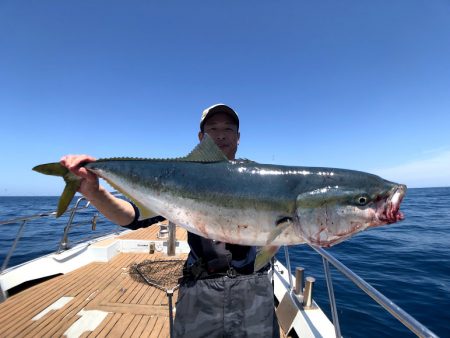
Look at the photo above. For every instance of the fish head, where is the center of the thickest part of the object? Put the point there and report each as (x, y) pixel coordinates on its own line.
(333, 213)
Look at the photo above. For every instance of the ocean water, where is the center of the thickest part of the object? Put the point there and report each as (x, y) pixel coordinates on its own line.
(409, 262)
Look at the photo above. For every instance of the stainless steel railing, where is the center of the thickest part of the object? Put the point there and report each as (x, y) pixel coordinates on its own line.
(64, 242)
(406, 319)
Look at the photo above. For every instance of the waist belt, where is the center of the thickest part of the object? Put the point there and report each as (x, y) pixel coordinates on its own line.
(199, 271)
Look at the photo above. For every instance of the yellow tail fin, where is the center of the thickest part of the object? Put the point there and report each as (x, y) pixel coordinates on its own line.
(72, 183)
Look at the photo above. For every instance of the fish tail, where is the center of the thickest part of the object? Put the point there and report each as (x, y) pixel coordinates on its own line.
(72, 183)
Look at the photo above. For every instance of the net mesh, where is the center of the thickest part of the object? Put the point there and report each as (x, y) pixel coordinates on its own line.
(163, 274)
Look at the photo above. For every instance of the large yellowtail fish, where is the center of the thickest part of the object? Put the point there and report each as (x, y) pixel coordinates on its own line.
(244, 202)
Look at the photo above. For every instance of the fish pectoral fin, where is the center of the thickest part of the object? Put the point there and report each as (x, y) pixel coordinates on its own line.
(282, 224)
(205, 151)
(266, 253)
(264, 256)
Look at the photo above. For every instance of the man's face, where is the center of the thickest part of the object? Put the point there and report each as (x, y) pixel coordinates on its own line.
(223, 130)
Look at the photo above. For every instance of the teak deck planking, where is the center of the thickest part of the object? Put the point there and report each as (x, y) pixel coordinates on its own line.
(135, 308)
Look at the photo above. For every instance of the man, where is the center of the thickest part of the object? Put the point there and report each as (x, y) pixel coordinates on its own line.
(220, 294)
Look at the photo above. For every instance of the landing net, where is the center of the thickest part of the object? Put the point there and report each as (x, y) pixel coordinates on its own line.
(162, 274)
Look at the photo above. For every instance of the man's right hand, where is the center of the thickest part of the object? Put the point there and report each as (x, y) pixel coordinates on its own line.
(115, 209)
(89, 183)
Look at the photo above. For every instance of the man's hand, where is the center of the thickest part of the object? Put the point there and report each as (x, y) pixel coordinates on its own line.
(89, 183)
(115, 209)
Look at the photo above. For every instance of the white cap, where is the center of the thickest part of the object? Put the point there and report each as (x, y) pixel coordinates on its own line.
(218, 108)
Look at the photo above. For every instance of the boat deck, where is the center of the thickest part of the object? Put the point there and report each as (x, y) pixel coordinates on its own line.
(132, 307)
(100, 299)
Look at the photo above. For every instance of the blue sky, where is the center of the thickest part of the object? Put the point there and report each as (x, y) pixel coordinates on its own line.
(360, 85)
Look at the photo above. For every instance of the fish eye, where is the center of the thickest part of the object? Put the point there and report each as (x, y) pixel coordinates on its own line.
(362, 200)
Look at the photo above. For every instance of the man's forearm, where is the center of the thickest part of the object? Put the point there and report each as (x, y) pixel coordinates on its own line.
(115, 209)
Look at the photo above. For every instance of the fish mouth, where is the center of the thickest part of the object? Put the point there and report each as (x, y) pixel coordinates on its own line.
(390, 212)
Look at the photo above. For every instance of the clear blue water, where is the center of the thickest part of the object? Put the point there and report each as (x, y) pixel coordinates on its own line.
(409, 262)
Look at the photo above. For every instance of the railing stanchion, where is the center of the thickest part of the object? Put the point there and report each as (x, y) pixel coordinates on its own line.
(288, 263)
(334, 314)
(171, 240)
(13, 246)
(308, 292)
(64, 244)
(299, 277)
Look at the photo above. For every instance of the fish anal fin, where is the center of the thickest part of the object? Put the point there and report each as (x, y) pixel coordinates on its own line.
(144, 212)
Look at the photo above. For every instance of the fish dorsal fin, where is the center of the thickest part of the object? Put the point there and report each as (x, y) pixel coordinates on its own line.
(205, 151)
